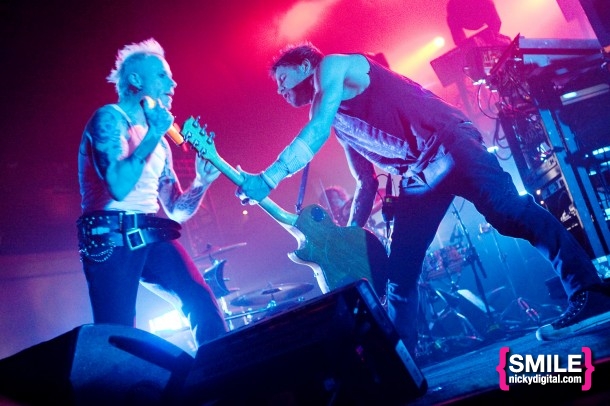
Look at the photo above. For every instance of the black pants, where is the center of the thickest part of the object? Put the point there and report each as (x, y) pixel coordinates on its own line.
(163, 267)
(464, 168)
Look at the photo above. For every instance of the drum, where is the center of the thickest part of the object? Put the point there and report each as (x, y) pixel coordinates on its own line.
(443, 262)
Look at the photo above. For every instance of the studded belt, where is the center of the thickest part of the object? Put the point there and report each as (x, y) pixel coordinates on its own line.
(117, 228)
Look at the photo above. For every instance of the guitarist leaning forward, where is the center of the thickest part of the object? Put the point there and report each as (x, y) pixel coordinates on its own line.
(384, 119)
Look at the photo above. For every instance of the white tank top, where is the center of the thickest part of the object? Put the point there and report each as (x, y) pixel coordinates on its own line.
(143, 197)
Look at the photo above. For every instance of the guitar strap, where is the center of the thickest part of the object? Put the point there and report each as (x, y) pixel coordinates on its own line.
(302, 189)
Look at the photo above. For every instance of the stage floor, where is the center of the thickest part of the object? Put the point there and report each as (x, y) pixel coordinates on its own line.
(472, 378)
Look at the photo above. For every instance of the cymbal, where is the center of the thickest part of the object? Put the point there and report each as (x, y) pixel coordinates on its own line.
(276, 293)
(212, 250)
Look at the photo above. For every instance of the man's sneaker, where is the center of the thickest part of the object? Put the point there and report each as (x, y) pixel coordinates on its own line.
(586, 311)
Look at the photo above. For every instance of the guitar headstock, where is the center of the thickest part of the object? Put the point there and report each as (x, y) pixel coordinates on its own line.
(199, 138)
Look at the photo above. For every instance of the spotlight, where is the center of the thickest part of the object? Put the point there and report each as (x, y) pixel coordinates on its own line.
(168, 324)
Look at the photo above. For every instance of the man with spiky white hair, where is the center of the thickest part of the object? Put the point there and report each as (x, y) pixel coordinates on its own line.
(126, 175)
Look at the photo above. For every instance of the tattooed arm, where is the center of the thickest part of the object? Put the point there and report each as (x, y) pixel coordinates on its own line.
(108, 131)
(182, 205)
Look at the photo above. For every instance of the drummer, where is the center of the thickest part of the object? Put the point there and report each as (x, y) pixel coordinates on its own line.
(339, 203)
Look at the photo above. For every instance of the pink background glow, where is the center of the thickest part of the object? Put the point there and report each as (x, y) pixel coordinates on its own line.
(55, 59)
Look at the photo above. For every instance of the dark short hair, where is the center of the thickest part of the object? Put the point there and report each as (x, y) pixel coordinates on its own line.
(295, 54)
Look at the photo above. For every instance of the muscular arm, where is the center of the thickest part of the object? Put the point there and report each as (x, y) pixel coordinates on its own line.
(329, 84)
(336, 78)
(366, 186)
(108, 131)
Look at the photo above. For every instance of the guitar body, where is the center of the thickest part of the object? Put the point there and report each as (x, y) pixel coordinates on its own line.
(339, 255)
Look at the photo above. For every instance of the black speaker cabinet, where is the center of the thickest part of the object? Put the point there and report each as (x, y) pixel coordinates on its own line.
(339, 348)
(96, 365)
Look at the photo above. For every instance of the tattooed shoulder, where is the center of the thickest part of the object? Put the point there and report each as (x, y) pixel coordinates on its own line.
(106, 127)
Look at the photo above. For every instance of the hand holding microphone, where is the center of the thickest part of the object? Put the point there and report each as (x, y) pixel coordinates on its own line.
(158, 116)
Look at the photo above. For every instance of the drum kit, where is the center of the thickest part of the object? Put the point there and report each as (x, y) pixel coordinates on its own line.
(253, 305)
(443, 327)
(453, 319)
(446, 262)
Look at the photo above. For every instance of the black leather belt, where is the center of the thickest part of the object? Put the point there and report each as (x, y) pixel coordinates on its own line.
(117, 228)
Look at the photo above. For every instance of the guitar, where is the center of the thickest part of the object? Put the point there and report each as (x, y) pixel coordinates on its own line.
(337, 255)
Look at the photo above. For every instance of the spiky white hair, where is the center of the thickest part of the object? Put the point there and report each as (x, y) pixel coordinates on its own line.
(143, 48)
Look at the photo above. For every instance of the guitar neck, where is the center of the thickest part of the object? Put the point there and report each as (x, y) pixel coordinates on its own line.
(275, 211)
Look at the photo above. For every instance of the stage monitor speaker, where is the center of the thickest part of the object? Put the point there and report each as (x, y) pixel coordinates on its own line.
(96, 364)
(339, 348)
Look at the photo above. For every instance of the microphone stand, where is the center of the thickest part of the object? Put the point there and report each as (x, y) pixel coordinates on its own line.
(472, 257)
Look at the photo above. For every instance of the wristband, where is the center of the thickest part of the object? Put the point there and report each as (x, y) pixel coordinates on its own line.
(292, 159)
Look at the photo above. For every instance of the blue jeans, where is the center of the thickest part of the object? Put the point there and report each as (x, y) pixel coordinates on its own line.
(163, 267)
(464, 168)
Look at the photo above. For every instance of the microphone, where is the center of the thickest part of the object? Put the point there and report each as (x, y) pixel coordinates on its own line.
(174, 131)
(174, 134)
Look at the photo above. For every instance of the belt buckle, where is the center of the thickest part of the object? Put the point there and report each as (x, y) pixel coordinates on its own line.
(124, 224)
(135, 239)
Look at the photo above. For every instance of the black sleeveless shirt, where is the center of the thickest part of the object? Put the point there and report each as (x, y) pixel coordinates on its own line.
(395, 123)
